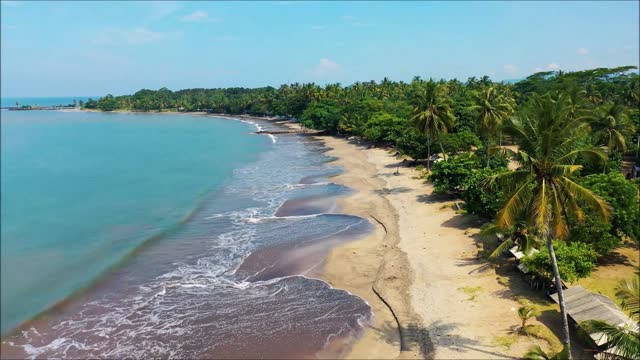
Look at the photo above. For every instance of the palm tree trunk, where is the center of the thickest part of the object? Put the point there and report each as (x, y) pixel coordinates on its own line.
(563, 311)
(488, 144)
(444, 156)
(428, 154)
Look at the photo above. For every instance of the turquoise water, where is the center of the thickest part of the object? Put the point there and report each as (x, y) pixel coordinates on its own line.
(81, 190)
(43, 101)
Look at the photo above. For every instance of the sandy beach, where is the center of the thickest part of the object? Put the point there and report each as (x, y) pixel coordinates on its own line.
(420, 268)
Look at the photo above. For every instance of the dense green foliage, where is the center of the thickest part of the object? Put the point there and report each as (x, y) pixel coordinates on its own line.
(622, 195)
(450, 175)
(482, 198)
(575, 261)
(383, 127)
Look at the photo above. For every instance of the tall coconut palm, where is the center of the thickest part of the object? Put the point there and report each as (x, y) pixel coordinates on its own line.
(625, 339)
(493, 109)
(432, 114)
(542, 192)
(611, 126)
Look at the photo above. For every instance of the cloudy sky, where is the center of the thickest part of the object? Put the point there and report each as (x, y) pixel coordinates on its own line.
(94, 48)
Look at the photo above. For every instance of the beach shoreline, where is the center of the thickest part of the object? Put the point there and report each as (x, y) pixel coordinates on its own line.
(431, 293)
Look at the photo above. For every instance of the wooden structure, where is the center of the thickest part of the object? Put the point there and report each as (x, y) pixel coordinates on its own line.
(583, 305)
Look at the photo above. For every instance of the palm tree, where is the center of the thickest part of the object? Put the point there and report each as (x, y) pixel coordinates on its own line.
(525, 313)
(493, 109)
(541, 192)
(626, 339)
(611, 126)
(517, 234)
(432, 114)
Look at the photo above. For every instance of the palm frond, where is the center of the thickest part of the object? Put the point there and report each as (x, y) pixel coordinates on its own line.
(629, 294)
(601, 206)
(514, 205)
(626, 339)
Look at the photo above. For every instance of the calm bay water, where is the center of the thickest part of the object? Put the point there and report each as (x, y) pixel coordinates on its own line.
(201, 227)
(81, 190)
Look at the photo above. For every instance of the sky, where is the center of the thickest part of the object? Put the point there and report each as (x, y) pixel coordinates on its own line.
(93, 48)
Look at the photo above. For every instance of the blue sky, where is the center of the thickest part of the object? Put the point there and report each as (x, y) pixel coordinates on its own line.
(94, 48)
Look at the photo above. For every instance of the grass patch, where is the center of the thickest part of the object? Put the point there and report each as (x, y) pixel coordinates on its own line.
(472, 291)
(543, 333)
(505, 281)
(505, 341)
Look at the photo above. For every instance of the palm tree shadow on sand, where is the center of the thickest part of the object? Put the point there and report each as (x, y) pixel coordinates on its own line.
(441, 332)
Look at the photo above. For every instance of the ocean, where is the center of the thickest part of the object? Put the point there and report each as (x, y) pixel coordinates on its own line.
(43, 101)
(154, 235)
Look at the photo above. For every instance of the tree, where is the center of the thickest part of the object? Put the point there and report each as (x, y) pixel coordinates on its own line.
(449, 175)
(384, 127)
(625, 339)
(623, 196)
(525, 313)
(480, 198)
(575, 261)
(324, 115)
(493, 109)
(611, 127)
(542, 192)
(432, 114)
(413, 144)
(107, 103)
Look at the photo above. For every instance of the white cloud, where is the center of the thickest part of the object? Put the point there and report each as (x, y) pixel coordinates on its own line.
(583, 51)
(553, 66)
(326, 67)
(197, 16)
(318, 27)
(538, 69)
(510, 69)
(361, 24)
(134, 36)
(348, 17)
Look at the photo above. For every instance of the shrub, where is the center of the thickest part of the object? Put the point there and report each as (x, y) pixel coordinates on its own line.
(413, 144)
(323, 115)
(496, 161)
(461, 141)
(450, 175)
(481, 198)
(594, 232)
(575, 261)
(622, 194)
(384, 127)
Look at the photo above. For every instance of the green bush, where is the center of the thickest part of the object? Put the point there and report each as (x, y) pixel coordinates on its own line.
(594, 232)
(575, 261)
(622, 194)
(383, 127)
(325, 115)
(496, 161)
(413, 144)
(450, 175)
(481, 198)
(461, 141)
